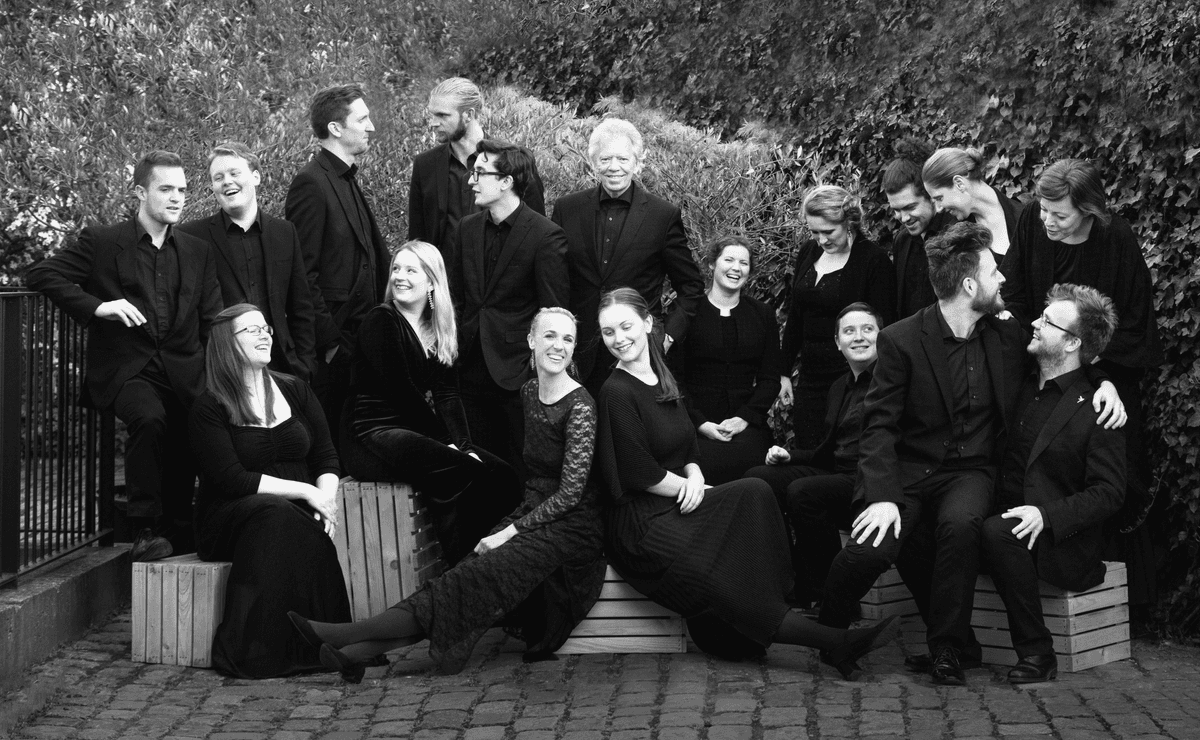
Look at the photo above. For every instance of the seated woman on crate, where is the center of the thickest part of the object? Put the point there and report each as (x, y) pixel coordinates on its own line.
(268, 480)
(541, 568)
(716, 555)
(406, 348)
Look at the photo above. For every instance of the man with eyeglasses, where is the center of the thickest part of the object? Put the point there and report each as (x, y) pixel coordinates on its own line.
(621, 235)
(1063, 476)
(439, 193)
(506, 262)
(258, 257)
(147, 293)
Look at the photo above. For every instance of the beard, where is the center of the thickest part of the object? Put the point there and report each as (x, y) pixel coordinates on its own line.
(1048, 355)
(989, 305)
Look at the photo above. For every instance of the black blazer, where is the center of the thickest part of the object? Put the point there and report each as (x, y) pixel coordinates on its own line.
(1076, 476)
(531, 272)
(903, 249)
(347, 267)
(653, 245)
(428, 194)
(287, 284)
(867, 276)
(907, 419)
(102, 266)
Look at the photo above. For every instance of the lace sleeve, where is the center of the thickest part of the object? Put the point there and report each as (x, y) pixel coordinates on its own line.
(579, 444)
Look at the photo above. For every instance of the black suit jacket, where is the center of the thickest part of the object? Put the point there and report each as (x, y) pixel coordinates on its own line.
(1076, 475)
(907, 419)
(102, 266)
(347, 265)
(531, 272)
(428, 194)
(287, 284)
(903, 248)
(653, 245)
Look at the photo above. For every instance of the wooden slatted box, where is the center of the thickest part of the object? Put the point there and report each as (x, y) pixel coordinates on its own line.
(625, 621)
(177, 605)
(888, 596)
(1090, 628)
(385, 544)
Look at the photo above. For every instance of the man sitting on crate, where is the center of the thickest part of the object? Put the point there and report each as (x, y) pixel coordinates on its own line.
(1062, 476)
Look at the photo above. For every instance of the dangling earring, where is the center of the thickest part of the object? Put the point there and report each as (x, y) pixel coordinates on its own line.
(573, 370)
(532, 360)
(429, 295)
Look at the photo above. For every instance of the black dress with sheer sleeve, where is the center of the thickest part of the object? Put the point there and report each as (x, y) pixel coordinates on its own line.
(545, 579)
(282, 559)
(725, 566)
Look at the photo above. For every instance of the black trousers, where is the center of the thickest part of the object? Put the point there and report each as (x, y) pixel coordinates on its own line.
(160, 471)
(955, 503)
(1013, 567)
(816, 504)
(495, 415)
(331, 384)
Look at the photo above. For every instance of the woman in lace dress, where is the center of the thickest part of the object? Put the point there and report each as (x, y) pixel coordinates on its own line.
(540, 569)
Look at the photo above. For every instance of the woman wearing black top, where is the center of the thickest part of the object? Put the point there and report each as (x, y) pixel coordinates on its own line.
(954, 180)
(718, 556)
(729, 365)
(405, 350)
(838, 267)
(268, 479)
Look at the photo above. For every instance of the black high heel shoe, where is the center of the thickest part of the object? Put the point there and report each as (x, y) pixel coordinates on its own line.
(336, 660)
(845, 657)
(305, 629)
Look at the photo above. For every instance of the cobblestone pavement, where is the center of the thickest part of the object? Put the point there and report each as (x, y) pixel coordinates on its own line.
(91, 690)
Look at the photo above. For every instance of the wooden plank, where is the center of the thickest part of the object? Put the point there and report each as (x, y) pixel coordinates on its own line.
(608, 645)
(627, 627)
(630, 608)
(391, 515)
(339, 534)
(137, 648)
(406, 548)
(184, 605)
(1094, 620)
(170, 603)
(1063, 607)
(891, 577)
(357, 584)
(895, 609)
(1115, 575)
(620, 590)
(372, 492)
(202, 628)
(1066, 663)
(1063, 644)
(154, 612)
(611, 574)
(886, 594)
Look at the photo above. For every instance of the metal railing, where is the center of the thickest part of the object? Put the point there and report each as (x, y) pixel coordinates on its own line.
(56, 457)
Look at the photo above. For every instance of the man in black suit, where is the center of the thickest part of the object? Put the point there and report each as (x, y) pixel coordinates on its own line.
(507, 261)
(147, 293)
(1063, 476)
(911, 206)
(439, 194)
(345, 255)
(619, 234)
(815, 488)
(258, 258)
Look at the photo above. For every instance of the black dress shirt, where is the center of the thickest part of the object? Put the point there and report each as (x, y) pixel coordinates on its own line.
(495, 235)
(974, 412)
(246, 246)
(158, 274)
(613, 212)
(460, 200)
(849, 424)
(1034, 407)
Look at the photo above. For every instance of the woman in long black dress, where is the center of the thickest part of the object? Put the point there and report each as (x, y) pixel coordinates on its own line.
(717, 555)
(542, 566)
(954, 180)
(406, 348)
(838, 267)
(729, 365)
(268, 480)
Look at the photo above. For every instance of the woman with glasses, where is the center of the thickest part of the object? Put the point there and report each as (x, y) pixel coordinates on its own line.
(404, 359)
(268, 479)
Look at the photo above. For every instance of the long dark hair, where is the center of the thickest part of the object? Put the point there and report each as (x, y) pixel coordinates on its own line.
(669, 388)
(226, 366)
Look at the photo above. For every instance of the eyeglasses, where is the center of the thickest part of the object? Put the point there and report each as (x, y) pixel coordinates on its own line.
(1048, 322)
(478, 173)
(256, 331)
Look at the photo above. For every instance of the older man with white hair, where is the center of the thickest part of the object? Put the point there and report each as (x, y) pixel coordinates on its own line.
(620, 234)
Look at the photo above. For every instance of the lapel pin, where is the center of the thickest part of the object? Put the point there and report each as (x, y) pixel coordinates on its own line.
(1080, 400)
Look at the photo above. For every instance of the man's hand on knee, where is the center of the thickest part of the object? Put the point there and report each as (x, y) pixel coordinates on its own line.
(877, 518)
(1030, 522)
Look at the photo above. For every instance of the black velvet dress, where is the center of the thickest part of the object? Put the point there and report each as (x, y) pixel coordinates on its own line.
(728, 366)
(545, 579)
(724, 566)
(282, 559)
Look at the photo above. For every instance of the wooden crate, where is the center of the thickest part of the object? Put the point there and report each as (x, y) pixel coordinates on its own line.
(177, 605)
(385, 544)
(888, 597)
(624, 621)
(1089, 628)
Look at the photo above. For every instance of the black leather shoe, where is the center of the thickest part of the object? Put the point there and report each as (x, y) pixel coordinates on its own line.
(1034, 669)
(149, 547)
(946, 671)
(924, 663)
(335, 660)
(845, 657)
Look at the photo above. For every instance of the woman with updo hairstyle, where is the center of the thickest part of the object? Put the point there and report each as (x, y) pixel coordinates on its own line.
(728, 364)
(954, 180)
(840, 265)
(539, 571)
(267, 500)
(716, 555)
(403, 359)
